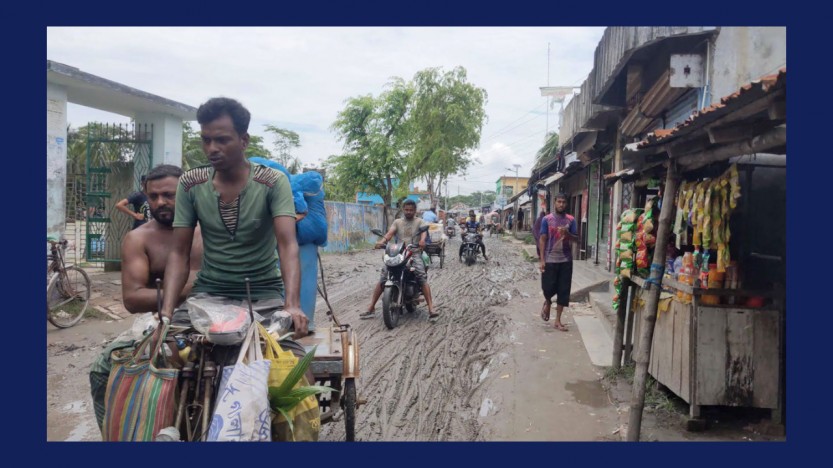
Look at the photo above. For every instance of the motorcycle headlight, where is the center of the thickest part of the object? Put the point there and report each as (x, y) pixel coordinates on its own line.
(393, 261)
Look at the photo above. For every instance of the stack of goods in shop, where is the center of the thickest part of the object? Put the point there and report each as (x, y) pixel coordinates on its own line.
(706, 207)
(625, 249)
(626, 242)
(646, 237)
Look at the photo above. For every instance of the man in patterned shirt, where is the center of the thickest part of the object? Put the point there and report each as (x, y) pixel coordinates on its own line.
(558, 230)
(244, 210)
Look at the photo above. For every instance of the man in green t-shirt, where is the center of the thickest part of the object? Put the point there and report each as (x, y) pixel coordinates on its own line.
(244, 210)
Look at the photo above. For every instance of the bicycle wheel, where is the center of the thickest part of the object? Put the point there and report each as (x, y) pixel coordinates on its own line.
(68, 297)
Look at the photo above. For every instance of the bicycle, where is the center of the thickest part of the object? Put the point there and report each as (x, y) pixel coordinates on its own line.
(68, 289)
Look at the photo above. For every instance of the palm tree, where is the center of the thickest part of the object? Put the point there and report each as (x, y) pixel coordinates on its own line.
(549, 151)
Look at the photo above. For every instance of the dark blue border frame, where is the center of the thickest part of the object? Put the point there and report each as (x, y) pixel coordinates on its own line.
(811, 307)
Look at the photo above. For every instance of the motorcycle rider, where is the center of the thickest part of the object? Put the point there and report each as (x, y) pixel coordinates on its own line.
(472, 226)
(404, 229)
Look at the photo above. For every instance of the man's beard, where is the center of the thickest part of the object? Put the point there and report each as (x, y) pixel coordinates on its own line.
(165, 222)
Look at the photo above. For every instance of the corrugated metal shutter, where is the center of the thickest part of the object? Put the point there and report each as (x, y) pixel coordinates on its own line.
(681, 109)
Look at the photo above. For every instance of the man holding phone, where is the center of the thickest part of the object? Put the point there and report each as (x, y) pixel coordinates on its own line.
(558, 230)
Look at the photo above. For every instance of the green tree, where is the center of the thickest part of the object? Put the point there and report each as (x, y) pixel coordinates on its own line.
(376, 138)
(192, 153)
(194, 156)
(285, 142)
(474, 199)
(447, 118)
(256, 148)
(547, 152)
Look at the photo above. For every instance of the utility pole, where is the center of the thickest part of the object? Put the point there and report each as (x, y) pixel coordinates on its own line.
(515, 205)
(546, 133)
(446, 198)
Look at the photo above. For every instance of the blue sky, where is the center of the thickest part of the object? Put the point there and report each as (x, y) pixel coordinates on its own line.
(298, 78)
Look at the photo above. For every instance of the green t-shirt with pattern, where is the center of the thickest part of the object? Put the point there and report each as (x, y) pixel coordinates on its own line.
(239, 237)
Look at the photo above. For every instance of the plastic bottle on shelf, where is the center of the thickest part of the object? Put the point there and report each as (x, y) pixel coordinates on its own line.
(678, 267)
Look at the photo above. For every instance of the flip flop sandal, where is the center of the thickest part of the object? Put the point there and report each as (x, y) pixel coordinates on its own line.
(562, 328)
(367, 314)
(544, 317)
(433, 317)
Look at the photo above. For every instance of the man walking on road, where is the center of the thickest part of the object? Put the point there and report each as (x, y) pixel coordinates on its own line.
(558, 230)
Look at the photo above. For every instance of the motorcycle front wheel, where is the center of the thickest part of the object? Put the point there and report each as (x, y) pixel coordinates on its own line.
(471, 258)
(390, 307)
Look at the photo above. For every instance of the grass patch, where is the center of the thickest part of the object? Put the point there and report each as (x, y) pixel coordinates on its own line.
(528, 257)
(74, 308)
(363, 245)
(529, 240)
(657, 399)
(625, 372)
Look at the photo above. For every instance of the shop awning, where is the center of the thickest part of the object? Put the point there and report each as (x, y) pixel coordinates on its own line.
(552, 179)
(751, 120)
(767, 93)
(611, 178)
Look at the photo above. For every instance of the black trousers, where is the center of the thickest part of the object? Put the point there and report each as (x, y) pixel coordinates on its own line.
(556, 281)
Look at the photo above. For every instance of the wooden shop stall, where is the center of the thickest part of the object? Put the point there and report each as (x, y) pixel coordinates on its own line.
(715, 333)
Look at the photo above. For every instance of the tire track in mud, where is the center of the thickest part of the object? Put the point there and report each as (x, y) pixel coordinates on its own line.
(422, 380)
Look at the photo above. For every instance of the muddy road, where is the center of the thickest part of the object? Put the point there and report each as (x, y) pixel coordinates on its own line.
(422, 380)
(488, 369)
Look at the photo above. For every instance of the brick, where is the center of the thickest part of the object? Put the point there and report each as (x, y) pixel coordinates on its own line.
(107, 312)
(120, 311)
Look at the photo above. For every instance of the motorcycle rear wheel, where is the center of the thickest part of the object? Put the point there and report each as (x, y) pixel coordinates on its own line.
(390, 307)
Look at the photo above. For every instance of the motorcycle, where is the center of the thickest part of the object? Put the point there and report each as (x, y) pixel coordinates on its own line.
(450, 231)
(471, 249)
(401, 289)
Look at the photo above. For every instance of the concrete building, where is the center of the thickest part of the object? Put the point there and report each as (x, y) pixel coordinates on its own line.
(645, 80)
(509, 186)
(65, 84)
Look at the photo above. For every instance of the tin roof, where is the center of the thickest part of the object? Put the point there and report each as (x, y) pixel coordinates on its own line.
(728, 104)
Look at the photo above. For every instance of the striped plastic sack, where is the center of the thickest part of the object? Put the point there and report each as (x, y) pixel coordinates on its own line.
(140, 398)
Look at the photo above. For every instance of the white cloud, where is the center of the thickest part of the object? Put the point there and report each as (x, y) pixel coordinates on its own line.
(299, 77)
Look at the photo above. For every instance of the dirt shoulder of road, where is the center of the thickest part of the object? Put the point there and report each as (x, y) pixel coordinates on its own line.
(543, 385)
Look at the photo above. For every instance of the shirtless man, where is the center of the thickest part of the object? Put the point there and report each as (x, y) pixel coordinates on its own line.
(145, 250)
(144, 254)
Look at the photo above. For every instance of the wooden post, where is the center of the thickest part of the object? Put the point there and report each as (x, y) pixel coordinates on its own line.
(643, 353)
(616, 208)
(771, 139)
(632, 292)
(619, 333)
(598, 214)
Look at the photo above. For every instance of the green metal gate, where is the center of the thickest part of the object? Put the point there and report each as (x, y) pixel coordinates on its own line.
(117, 158)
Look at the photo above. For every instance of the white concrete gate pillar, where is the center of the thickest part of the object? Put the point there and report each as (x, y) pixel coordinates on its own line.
(167, 137)
(56, 159)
